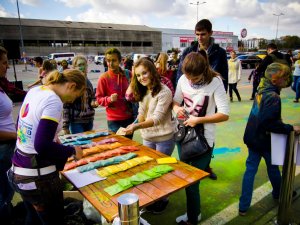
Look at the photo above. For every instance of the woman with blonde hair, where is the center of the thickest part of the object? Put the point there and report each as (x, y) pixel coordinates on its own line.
(38, 158)
(198, 84)
(79, 115)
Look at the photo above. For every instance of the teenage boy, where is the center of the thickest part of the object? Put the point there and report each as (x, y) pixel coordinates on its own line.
(110, 92)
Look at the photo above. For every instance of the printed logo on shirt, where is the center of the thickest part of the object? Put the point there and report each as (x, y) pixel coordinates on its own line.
(25, 110)
(24, 131)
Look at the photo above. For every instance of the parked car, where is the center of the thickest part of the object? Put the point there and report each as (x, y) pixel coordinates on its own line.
(249, 61)
(99, 59)
(261, 53)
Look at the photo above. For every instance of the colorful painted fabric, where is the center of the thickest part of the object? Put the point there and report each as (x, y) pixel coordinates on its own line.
(125, 183)
(107, 162)
(81, 137)
(100, 156)
(124, 166)
(77, 143)
(114, 189)
(151, 173)
(139, 178)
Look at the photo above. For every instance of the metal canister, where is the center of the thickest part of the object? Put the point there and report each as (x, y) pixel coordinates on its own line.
(128, 206)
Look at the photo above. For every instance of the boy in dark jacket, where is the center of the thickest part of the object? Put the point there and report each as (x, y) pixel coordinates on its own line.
(264, 118)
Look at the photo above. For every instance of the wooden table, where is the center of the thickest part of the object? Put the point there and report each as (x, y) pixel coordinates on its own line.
(149, 192)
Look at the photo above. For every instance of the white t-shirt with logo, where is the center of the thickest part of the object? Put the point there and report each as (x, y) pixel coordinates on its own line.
(39, 103)
(194, 98)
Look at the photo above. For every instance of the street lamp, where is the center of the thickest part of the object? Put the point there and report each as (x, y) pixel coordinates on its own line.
(21, 37)
(197, 4)
(278, 15)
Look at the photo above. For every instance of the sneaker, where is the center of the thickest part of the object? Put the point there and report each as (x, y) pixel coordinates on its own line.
(157, 207)
(184, 218)
(242, 213)
(251, 98)
(296, 101)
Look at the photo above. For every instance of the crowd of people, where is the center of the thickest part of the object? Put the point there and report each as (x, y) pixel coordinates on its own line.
(146, 95)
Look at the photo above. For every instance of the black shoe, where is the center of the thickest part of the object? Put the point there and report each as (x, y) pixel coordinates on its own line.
(212, 175)
(251, 98)
(157, 207)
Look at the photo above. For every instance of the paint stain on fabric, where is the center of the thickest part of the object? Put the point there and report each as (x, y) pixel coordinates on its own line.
(224, 150)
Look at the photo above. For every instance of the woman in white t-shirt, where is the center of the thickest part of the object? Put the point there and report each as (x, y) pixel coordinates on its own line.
(199, 81)
(38, 157)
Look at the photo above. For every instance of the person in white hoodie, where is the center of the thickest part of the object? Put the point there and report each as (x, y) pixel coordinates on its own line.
(234, 75)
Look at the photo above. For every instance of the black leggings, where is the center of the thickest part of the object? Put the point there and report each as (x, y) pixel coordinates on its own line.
(233, 87)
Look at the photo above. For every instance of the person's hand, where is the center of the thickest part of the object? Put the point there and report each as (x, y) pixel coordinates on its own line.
(297, 129)
(66, 131)
(94, 104)
(180, 112)
(129, 129)
(78, 153)
(192, 121)
(114, 97)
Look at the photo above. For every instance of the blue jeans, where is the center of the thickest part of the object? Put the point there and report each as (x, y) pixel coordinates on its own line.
(193, 204)
(296, 86)
(114, 125)
(80, 127)
(252, 164)
(6, 192)
(165, 147)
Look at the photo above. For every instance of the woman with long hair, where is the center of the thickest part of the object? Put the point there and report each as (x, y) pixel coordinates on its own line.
(199, 83)
(155, 119)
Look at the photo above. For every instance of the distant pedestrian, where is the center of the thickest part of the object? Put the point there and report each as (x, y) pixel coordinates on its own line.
(173, 65)
(255, 76)
(265, 117)
(273, 56)
(296, 83)
(47, 67)
(234, 75)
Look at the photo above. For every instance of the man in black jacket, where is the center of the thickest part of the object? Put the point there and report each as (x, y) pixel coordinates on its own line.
(273, 56)
(216, 55)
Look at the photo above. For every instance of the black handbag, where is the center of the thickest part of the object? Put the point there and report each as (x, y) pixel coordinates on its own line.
(192, 140)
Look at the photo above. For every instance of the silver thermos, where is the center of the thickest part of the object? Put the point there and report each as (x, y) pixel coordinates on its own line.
(128, 206)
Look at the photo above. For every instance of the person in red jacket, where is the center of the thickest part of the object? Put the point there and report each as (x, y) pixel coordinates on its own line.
(110, 92)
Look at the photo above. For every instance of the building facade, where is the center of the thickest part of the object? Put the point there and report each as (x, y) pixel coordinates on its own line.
(182, 38)
(42, 37)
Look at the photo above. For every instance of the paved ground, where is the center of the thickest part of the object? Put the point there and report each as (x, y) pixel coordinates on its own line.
(219, 198)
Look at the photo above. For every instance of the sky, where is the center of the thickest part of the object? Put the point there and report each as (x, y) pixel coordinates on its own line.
(226, 15)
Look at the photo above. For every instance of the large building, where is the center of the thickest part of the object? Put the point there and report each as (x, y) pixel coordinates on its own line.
(182, 38)
(42, 37)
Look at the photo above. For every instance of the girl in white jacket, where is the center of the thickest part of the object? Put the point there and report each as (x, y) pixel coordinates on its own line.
(234, 75)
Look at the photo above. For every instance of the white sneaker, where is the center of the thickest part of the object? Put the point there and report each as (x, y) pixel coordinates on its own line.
(185, 218)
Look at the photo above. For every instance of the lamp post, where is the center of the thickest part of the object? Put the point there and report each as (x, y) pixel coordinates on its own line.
(278, 15)
(197, 4)
(21, 37)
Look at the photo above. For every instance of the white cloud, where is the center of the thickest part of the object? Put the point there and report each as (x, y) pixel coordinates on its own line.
(30, 2)
(3, 12)
(68, 18)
